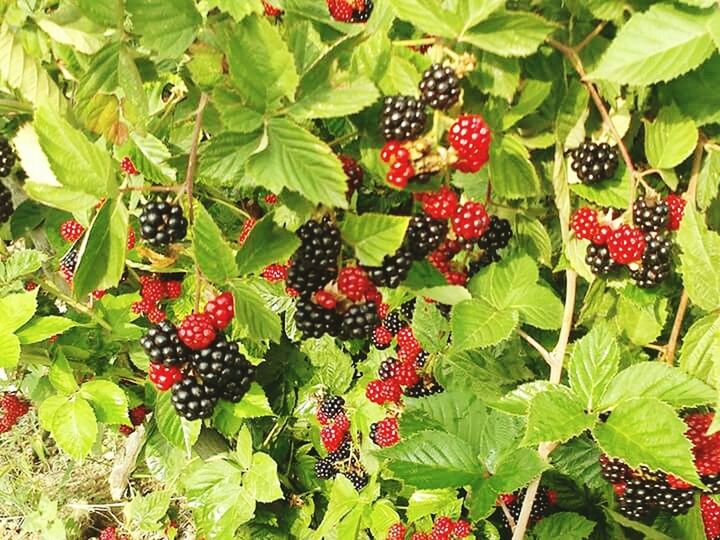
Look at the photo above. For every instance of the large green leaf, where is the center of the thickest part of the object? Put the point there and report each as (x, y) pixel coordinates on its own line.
(181, 433)
(9, 350)
(253, 404)
(262, 479)
(42, 328)
(511, 33)
(297, 160)
(165, 26)
(61, 375)
(74, 427)
(374, 235)
(556, 414)
(513, 174)
(108, 400)
(16, 310)
(430, 327)
(223, 158)
(107, 12)
(594, 362)
(150, 157)
(429, 16)
(692, 92)
(252, 313)
(517, 469)
(670, 138)
(214, 255)
(708, 186)
(642, 55)
(565, 525)
(69, 26)
(337, 98)
(476, 324)
(700, 260)
(266, 244)
(701, 347)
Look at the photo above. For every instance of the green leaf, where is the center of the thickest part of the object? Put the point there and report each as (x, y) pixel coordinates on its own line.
(511, 33)
(693, 92)
(518, 400)
(254, 404)
(565, 525)
(42, 328)
(106, 12)
(244, 448)
(496, 75)
(181, 433)
(382, 517)
(108, 400)
(700, 260)
(641, 315)
(614, 192)
(237, 10)
(179, 23)
(446, 294)
(556, 415)
(659, 381)
(252, 313)
(342, 97)
(16, 310)
(150, 157)
(646, 431)
(333, 366)
(374, 235)
(428, 16)
(9, 351)
(223, 158)
(517, 469)
(513, 174)
(101, 261)
(262, 480)
(433, 459)
(343, 498)
(266, 244)
(222, 509)
(700, 347)
(708, 186)
(20, 263)
(424, 503)
(670, 138)
(579, 459)
(74, 427)
(214, 255)
(261, 67)
(61, 375)
(593, 364)
(67, 25)
(48, 408)
(533, 95)
(641, 55)
(297, 160)
(476, 324)
(430, 327)
(147, 512)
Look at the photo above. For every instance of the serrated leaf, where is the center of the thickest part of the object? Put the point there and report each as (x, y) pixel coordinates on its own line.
(262, 480)
(556, 414)
(48, 408)
(214, 255)
(9, 351)
(579, 459)
(374, 235)
(337, 98)
(252, 313)
(223, 158)
(16, 310)
(433, 459)
(237, 10)
(708, 186)
(565, 525)
(20, 263)
(476, 324)
(701, 347)
(146, 512)
(614, 192)
(511, 33)
(430, 327)
(243, 448)
(660, 381)
(641, 55)
(512, 172)
(670, 138)
(333, 366)
(645, 431)
(254, 404)
(641, 314)
(297, 160)
(594, 362)
(181, 433)
(533, 95)
(108, 400)
(700, 260)
(61, 375)
(235, 114)
(517, 469)
(443, 502)
(382, 517)
(222, 509)
(165, 26)
(445, 294)
(428, 16)
(518, 400)
(266, 244)
(343, 498)
(68, 25)
(692, 92)
(497, 75)
(150, 157)
(74, 427)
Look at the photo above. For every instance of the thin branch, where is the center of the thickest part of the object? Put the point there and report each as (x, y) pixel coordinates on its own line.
(414, 42)
(343, 138)
(192, 160)
(537, 346)
(77, 306)
(592, 35)
(152, 188)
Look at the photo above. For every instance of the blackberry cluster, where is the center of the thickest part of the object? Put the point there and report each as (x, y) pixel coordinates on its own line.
(359, 321)
(325, 469)
(314, 264)
(163, 346)
(424, 235)
(655, 265)
(427, 386)
(544, 500)
(224, 370)
(599, 260)
(394, 269)
(402, 118)
(593, 162)
(162, 223)
(614, 470)
(6, 205)
(497, 236)
(388, 369)
(7, 158)
(68, 263)
(315, 321)
(651, 216)
(408, 309)
(440, 87)
(362, 15)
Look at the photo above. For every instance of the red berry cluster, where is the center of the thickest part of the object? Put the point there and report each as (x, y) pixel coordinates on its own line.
(355, 284)
(677, 209)
(706, 448)
(163, 377)
(470, 137)
(198, 330)
(247, 226)
(401, 167)
(711, 517)
(270, 10)
(274, 273)
(137, 417)
(110, 533)
(350, 11)
(127, 166)
(271, 199)
(12, 408)
(444, 528)
(153, 291)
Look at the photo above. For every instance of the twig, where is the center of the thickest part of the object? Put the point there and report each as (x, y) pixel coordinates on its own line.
(152, 188)
(537, 346)
(77, 306)
(192, 160)
(414, 42)
(508, 515)
(587, 39)
(343, 138)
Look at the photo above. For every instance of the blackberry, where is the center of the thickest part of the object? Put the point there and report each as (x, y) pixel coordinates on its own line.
(393, 271)
(488, 257)
(342, 452)
(392, 322)
(408, 309)
(599, 260)
(424, 234)
(325, 469)
(354, 173)
(163, 346)
(162, 223)
(440, 87)
(671, 500)
(193, 400)
(426, 387)
(7, 158)
(332, 406)
(358, 479)
(540, 507)
(650, 216)
(362, 15)
(614, 470)
(359, 321)
(402, 118)
(388, 369)
(497, 236)
(320, 245)
(222, 367)
(656, 263)
(637, 499)
(315, 321)
(593, 162)
(421, 359)
(712, 481)
(307, 279)
(6, 205)
(68, 263)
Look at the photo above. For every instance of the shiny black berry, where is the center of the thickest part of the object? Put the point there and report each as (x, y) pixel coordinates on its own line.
(671, 500)
(408, 309)
(594, 162)
(307, 279)
(712, 481)
(354, 173)
(614, 470)
(637, 499)
(651, 216)
(362, 15)
(440, 87)
(393, 271)
(656, 262)
(424, 235)
(358, 479)
(388, 369)
(193, 400)
(223, 368)
(402, 118)
(599, 260)
(392, 323)
(7, 158)
(163, 346)
(359, 321)
(315, 321)
(320, 244)
(6, 205)
(332, 406)
(488, 257)
(540, 508)
(426, 387)
(162, 223)
(421, 359)
(497, 236)
(325, 469)
(342, 452)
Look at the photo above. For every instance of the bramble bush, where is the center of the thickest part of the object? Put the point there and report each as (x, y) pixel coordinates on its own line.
(392, 269)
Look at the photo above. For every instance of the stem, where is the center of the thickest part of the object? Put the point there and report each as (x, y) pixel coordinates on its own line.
(343, 138)
(49, 286)
(695, 171)
(508, 515)
(414, 42)
(587, 39)
(537, 346)
(152, 188)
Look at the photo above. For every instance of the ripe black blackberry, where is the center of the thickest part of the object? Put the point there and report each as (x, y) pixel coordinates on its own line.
(599, 260)
(497, 236)
(440, 87)
(488, 257)
(649, 215)
(362, 15)
(671, 500)
(388, 369)
(393, 271)
(656, 262)
(354, 173)
(222, 367)
(315, 321)
(712, 481)
(193, 400)
(307, 279)
(162, 223)
(325, 469)
(392, 322)
(402, 118)
(421, 359)
(359, 321)
(7, 158)
(358, 479)
(540, 508)
(424, 234)
(614, 470)
(6, 205)
(163, 346)
(594, 162)
(69, 261)
(408, 309)
(320, 244)
(332, 406)
(342, 452)
(637, 498)
(426, 387)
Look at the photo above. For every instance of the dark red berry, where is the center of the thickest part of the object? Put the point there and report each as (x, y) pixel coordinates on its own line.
(626, 244)
(353, 282)
(163, 377)
(247, 226)
(677, 209)
(385, 432)
(128, 166)
(197, 331)
(221, 310)
(71, 230)
(585, 223)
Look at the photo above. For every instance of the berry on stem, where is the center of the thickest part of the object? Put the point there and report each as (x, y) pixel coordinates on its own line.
(594, 162)
(585, 223)
(402, 118)
(677, 209)
(441, 204)
(470, 221)
(221, 310)
(71, 230)
(440, 87)
(470, 137)
(626, 244)
(197, 331)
